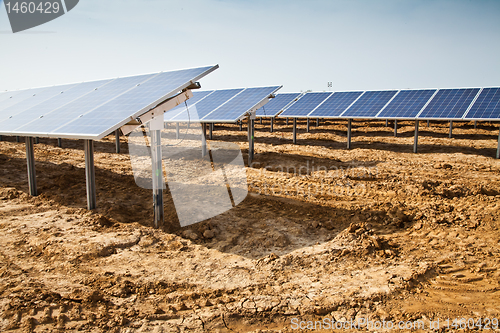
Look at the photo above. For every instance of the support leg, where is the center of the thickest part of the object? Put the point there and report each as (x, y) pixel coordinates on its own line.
(37, 140)
(117, 141)
(349, 126)
(59, 142)
(317, 122)
(156, 160)
(90, 174)
(307, 130)
(498, 147)
(272, 125)
(287, 121)
(261, 120)
(210, 130)
(451, 129)
(428, 123)
(395, 127)
(241, 125)
(177, 131)
(18, 139)
(250, 140)
(204, 140)
(1, 138)
(415, 141)
(30, 160)
(294, 130)
(387, 123)
(475, 124)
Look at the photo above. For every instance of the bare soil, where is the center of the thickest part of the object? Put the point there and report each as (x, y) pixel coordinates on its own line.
(374, 232)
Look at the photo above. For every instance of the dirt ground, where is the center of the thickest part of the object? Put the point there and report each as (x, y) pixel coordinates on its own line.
(376, 233)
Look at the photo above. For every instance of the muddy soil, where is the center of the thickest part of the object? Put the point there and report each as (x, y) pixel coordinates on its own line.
(373, 233)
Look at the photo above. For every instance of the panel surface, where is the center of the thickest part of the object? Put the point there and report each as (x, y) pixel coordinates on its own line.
(17, 97)
(368, 105)
(449, 104)
(305, 104)
(208, 104)
(335, 104)
(197, 96)
(276, 104)
(240, 104)
(486, 106)
(407, 104)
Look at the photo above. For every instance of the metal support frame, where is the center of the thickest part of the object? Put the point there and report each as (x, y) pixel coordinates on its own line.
(387, 123)
(475, 124)
(37, 140)
(117, 141)
(251, 138)
(1, 138)
(261, 120)
(157, 169)
(18, 139)
(204, 140)
(307, 129)
(210, 130)
(395, 127)
(317, 122)
(272, 125)
(428, 123)
(294, 130)
(177, 131)
(498, 147)
(451, 129)
(287, 121)
(90, 174)
(30, 161)
(415, 141)
(349, 129)
(59, 142)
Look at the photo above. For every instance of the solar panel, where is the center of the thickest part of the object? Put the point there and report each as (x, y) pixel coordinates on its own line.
(449, 104)
(307, 103)
(335, 104)
(486, 106)
(208, 104)
(17, 97)
(240, 104)
(93, 110)
(369, 104)
(197, 96)
(275, 105)
(407, 104)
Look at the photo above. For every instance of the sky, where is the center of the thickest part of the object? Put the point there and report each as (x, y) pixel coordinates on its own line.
(302, 45)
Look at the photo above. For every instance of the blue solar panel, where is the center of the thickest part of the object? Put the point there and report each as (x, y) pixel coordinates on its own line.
(486, 106)
(276, 104)
(208, 104)
(197, 96)
(407, 104)
(449, 104)
(242, 103)
(94, 109)
(369, 104)
(335, 104)
(305, 104)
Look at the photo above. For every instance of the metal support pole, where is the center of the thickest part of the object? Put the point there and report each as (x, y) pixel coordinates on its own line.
(117, 141)
(156, 160)
(204, 140)
(18, 139)
(272, 125)
(250, 140)
(210, 130)
(90, 174)
(294, 130)
(317, 122)
(287, 121)
(261, 120)
(37, 140)
(349, 126)
(498, 147)
(307, 130)
(415, 141)
(241, 125)
(1, 138)
(30, 160)
(177, 131)
(395, 127)
(451, 129)
(428, 123)
(387, 123)
(59, 142)
(475, 124)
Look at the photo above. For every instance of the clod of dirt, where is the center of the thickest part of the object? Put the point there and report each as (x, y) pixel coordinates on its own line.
(190, 234)
(209, 234)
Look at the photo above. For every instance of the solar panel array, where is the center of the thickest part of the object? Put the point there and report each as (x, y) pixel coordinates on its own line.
(227, 105)
(89, 110)
(437, 104)
(277, 104)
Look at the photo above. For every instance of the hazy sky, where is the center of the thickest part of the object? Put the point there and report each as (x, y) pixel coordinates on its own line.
(298, 44)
